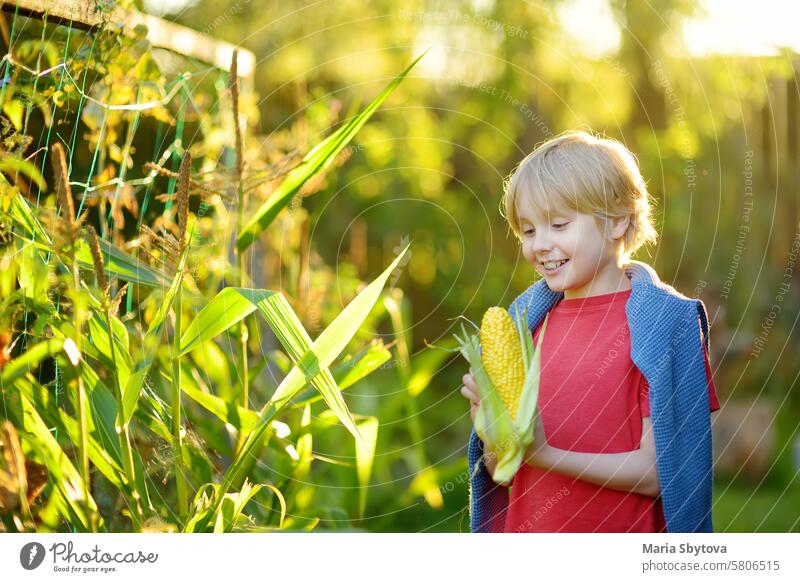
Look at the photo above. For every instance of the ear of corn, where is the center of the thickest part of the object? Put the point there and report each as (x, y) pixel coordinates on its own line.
(502, 356)
(506, 370)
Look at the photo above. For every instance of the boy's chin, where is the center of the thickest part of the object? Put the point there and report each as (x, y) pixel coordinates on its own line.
(554, 285)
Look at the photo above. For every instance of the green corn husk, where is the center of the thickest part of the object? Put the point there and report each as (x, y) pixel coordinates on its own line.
(505, 439)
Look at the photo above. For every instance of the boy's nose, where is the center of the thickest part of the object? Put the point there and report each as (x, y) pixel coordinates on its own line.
(541, 244)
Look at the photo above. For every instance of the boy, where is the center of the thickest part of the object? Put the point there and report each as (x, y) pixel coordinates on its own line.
(623, 433)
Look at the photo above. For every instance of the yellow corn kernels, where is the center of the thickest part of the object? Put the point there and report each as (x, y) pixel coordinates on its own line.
(502, 357)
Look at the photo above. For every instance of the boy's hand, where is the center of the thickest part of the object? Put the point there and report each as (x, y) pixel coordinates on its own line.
(538, 454)
(470, 391)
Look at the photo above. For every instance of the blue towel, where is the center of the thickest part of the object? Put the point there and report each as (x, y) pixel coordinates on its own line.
(667, 347)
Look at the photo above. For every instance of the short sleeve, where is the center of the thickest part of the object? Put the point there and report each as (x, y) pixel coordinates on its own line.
(712, 390)
(644, 390)
(644, 396)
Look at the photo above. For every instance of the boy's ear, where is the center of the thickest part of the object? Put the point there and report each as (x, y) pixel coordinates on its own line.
(619, 226)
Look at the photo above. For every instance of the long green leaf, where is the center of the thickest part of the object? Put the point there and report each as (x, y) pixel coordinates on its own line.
(233, 303)
(28, 361)
(295, 339)
(98, 331)
(365, 456)
(227, 308)
(241, 418)
(349, 371)
(23, 216)
(121, 264)
(36, 435)
(117, 262)
(132, 389)
(100, 455)
(316, 161)
(328, 346)
(12, 165)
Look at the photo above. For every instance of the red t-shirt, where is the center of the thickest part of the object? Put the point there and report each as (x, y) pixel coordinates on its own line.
(592, 399)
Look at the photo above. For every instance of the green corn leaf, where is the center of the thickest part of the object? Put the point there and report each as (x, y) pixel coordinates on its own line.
(227, 308)
(295, 339)
(31, 359)
(328, 346)
(233, 303)
(282, 502)
(215, 366)
(316, 161)
(22, 215)
(33, 272)
(36, 436)
(243, 419)
(365, 456)
(117, 262)
(227, 515)
(100, 454)
(13, 165)
(231, 509)
(152, 339)
(121, 264)
(98, 331)
(349, 371)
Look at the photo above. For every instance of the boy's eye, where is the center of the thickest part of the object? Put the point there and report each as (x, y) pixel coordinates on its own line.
(560, 225)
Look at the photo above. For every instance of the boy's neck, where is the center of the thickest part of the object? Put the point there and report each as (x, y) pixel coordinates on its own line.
(611, 279)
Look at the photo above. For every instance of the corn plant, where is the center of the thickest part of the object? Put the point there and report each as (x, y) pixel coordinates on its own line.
(125, 411)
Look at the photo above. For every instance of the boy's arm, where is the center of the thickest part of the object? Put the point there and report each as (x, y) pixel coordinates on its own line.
(633, 471)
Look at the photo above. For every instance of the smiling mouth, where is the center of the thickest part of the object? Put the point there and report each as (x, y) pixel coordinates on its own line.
(552, 266)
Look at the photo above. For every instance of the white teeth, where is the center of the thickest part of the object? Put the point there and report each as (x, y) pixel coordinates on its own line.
(550, 265)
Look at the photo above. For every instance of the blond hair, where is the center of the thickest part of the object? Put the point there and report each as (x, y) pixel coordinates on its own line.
(580, 172)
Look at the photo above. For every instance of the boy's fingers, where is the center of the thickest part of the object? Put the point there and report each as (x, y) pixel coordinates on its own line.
(469, 395)
(469, 392)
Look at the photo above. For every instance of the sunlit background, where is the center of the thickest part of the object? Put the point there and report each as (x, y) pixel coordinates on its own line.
(704, 92)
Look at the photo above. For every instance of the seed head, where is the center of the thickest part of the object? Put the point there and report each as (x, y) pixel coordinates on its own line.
(233, 84)
(97, 260)
(184, 176)
(63, 189)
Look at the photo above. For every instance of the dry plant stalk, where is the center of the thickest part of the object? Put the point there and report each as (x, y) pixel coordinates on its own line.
(182, 196)
(97, 262)
(233, 83)
(196, 187)
(63, 189)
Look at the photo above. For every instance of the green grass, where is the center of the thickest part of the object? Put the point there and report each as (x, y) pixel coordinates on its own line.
(740, 506)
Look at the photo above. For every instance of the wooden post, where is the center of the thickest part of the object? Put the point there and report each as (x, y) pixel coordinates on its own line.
(91, 15)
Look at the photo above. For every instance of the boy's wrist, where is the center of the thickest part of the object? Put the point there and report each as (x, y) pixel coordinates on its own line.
(539, 455)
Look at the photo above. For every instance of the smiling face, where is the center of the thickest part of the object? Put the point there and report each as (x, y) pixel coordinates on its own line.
(572, 251)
